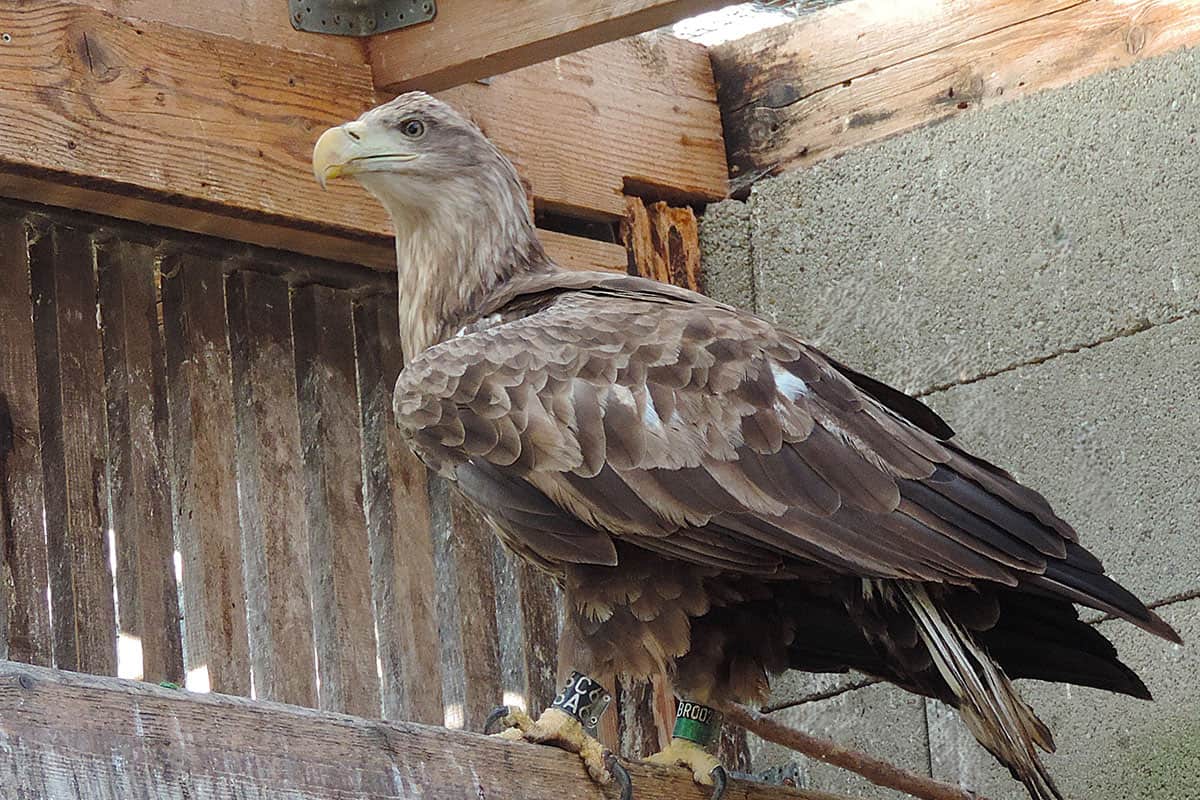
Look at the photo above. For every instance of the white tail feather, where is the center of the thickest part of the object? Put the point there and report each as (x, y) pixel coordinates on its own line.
(988, 702)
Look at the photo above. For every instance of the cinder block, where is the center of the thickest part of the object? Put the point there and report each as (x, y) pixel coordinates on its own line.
(1111, 436)
(794, 686)
(1109, 746)
(725, 264)
(881, 720)
(998, 237)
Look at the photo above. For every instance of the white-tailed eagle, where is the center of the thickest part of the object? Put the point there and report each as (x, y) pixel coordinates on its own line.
(717, 498)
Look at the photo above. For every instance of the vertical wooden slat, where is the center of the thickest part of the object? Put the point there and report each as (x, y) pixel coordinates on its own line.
(26, 610)
(639, 736)
(270, 475)
(403, 582)
(139, 490)
(338, 550)
(471, 542)
(204, 478)
(539, 629)
(71, 416)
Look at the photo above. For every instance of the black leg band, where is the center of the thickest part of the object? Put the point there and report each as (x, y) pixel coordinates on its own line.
(696, 723)
(583, 698)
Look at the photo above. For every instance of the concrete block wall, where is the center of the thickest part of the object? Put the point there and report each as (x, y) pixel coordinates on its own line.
(1032, 270)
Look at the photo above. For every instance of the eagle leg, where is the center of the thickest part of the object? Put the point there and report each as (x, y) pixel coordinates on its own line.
(581, 702)
(696, 726)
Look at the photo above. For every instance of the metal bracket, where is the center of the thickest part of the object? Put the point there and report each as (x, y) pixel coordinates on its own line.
(358, 17)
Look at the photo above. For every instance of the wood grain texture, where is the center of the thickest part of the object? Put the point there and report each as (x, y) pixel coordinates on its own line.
(67, 735)
(203, 471)
(172, 115)
(663, 242)
(26, 612)
(270, 480)
(801, 93)
(260, 21)
(339, 555)
(576, 252)
(472, 550)
(465, 42)
(71, 418)
(175, 126)
(139, 487)
(396, 499)
(579, 128)
(540, 609)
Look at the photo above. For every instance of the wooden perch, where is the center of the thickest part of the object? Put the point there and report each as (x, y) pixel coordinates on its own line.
(70, 735)
(877, 771)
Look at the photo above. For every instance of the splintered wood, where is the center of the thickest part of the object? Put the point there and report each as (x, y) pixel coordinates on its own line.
(663, 242)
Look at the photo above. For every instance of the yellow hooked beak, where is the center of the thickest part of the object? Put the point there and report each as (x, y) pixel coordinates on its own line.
(352, 148)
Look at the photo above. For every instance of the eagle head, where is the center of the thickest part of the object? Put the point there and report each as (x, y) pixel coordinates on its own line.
(415, 152)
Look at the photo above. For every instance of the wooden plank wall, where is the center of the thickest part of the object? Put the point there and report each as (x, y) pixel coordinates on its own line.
(172, 400)
(222, 413)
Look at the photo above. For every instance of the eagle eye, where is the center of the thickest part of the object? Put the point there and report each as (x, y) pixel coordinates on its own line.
(413, 128)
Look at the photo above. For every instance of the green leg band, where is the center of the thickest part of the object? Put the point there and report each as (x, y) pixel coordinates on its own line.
(696, 723)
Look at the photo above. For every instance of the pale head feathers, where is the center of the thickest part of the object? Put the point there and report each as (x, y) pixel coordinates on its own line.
(462, 220)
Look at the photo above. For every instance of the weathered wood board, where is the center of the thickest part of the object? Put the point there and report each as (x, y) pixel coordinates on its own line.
(26, 609)
(270, 476)
(135, 392)
(203, 473)
(338, 551)
(399, 528)
(71, 420)
(867, 69)
(69, 735)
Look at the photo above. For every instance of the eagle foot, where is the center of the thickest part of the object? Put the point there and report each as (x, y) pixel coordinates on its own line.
(560, 729)
(706, 770)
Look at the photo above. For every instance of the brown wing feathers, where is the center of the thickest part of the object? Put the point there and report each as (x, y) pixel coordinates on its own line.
(680, 414)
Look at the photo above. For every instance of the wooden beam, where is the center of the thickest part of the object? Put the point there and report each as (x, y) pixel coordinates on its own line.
(70, 735)
(260, 21)
(466, 41)
(179, 127)
(868, 69)
(637, 114)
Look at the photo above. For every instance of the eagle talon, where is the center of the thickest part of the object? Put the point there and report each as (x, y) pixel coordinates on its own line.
(498, 713)
(620, 775)
(720, 779)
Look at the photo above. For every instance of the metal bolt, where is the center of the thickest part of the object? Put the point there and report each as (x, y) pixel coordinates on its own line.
(5, 37)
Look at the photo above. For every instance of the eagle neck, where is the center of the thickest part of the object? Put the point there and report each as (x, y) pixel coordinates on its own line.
(450, 258)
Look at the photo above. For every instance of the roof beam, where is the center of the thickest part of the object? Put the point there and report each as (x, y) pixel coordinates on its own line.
(174, 126)
(864, 70)
(467, 40)
(72, 735)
